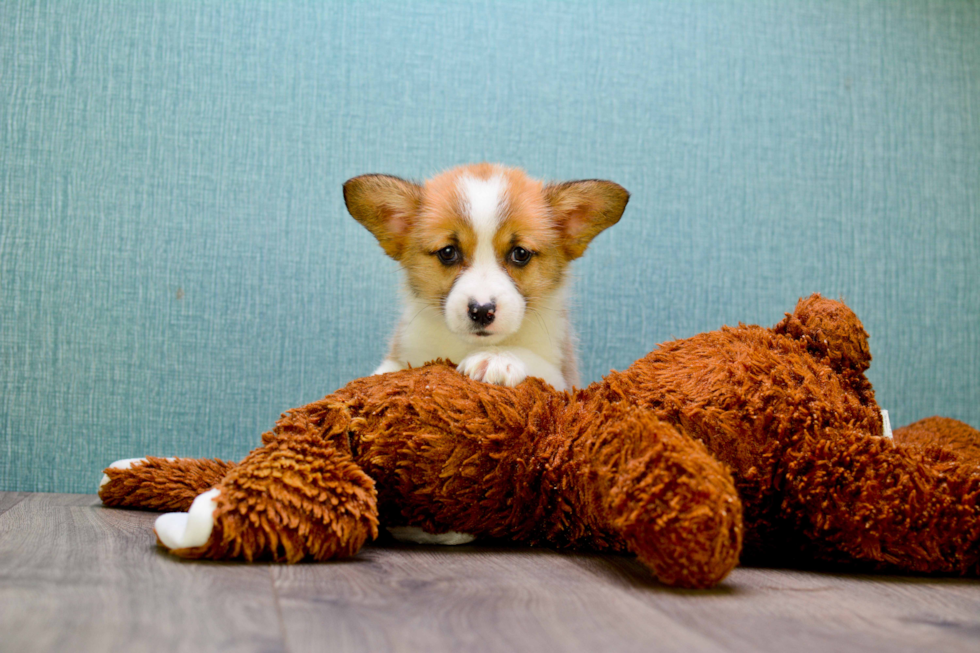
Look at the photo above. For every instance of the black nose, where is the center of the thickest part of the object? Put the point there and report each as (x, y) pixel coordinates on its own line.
(482, 314)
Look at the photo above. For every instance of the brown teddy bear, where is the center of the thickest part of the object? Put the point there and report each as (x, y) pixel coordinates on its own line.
(637, 462)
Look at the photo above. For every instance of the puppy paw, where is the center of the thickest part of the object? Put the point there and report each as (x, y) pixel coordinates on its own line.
(499, 368)
(388, 365)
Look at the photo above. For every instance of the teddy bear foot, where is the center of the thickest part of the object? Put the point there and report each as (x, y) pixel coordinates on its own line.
(288, 501)
(181, 530)
(674, 504)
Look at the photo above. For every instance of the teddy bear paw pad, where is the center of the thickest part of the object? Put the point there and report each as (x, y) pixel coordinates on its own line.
(181, 530)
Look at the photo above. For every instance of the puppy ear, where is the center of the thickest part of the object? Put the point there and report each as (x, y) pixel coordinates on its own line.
(386, 206)
(584, 209)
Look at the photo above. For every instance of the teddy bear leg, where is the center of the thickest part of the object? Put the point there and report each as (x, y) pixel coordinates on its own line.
(867, 499)
(675, 504)
(162, 484)
(958, 437)
(293, 499)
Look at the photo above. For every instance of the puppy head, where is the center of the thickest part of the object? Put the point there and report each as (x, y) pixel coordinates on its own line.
(484, 244)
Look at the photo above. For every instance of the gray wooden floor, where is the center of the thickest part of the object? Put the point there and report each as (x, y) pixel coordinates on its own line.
(78, 577)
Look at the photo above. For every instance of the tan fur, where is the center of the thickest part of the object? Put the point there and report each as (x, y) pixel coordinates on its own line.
(386, 206)
(584, 209)
(557, 223)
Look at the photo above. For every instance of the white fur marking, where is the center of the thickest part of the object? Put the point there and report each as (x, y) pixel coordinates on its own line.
(483, 198)
(485, 280)
(180, 530)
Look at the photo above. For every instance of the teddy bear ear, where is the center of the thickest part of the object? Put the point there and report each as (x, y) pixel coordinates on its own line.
(386, 206)
(830, 330)
(584, 209)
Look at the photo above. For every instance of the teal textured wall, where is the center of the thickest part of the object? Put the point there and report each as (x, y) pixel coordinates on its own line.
(177, 267)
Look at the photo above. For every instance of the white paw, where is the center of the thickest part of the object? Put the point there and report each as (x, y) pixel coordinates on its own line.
(416, 535)
(180, 530)
(499, 368)
(386, 366)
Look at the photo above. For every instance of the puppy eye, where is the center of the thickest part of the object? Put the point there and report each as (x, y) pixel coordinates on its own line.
(519, 256)
(448, 255)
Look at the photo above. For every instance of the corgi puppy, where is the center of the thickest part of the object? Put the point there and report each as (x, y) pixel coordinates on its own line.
(485, 252)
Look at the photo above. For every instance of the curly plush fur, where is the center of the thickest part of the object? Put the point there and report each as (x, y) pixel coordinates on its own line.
(647, 460)
(525, 463)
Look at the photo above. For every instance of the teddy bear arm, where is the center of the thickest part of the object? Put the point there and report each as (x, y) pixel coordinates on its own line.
(161, 484)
